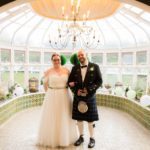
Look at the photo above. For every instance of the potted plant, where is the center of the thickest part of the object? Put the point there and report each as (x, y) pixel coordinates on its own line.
(139, 93)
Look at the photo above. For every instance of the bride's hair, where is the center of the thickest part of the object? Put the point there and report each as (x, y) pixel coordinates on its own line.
(55, 54)
(62, 58)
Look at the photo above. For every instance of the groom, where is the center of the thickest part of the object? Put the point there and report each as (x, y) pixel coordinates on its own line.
(85, 78)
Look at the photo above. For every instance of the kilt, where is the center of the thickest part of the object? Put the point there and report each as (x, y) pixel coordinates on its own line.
(90, 115)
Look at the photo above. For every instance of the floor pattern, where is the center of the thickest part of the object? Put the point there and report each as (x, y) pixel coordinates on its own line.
(116, 130)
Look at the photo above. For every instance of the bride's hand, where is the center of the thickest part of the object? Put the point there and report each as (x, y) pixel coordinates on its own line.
(71, 84)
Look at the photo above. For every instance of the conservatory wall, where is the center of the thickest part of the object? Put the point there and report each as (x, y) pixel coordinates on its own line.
(129, 67)
(123, 53)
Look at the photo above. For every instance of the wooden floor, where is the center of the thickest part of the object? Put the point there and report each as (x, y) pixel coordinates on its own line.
(115, 130)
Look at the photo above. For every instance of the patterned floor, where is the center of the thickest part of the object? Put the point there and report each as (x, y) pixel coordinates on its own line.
(116, 130)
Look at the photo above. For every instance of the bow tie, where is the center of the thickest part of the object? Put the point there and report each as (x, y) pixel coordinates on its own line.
(84, 66)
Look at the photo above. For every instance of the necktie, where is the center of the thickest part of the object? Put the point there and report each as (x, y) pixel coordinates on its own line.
(84, 66)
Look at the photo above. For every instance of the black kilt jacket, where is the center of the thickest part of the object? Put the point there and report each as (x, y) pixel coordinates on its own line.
(92, 81)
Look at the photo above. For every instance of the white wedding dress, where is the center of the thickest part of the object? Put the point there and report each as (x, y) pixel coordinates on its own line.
(56, 125)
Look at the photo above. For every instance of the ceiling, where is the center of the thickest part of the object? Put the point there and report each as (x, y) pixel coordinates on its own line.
(127, 28)
(85, 9)
(8, 1)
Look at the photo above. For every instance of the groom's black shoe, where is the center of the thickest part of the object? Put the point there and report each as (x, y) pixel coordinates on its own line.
(91, 143)
(79, 141)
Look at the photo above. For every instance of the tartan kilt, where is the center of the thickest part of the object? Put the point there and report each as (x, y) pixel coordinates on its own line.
(90, 115)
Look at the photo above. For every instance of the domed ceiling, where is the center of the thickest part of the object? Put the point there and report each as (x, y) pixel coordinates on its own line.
(127, 28)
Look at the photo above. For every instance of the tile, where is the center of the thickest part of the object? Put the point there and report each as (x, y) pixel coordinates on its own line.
(116, 130)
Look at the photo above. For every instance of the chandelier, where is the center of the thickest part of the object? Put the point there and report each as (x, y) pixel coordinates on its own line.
(75, 28)
(74, 34)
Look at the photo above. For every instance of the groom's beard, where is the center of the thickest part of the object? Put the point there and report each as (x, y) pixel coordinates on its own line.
(82, 60)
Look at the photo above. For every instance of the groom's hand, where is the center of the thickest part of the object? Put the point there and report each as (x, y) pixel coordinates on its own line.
(79, 92)
(85, 91)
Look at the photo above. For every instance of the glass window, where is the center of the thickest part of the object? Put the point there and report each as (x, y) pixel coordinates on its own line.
(5, 55)
(127, 80)
(127, 58)
(34, 72)
(142, 71)
(4, 74)
(146, 16)
(34, 57)
(19, 56)
(19, 75)
(141, 82)
(97, 58)
(112, 58)
(134, 29)
(112, 79)
(113, 70)
(141, 58)
(127, 70)
(3, 15)
(47, 57)
(136, 10)
(44, 68)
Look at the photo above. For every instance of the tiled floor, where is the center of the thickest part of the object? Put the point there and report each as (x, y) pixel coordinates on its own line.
(116, 130)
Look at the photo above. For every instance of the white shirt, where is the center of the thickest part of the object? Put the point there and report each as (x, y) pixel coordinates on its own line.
(83, 71)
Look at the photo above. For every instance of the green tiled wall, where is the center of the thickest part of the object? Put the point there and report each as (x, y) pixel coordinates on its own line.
(142, 114)
(17, 104)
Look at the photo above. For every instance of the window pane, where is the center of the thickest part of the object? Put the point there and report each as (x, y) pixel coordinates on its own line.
(34, 57)
(141, 82)
(97, 58)
(113, 70)
(141, 58)
(127, 80)
(47, 58)
(112, 79)
(136, 10)
(34, 72)
(146, 16)
(19, 56)
(112, 58)
(127, 58)
(5, 55)
(142, 71)
(4, 71)
(19, 75)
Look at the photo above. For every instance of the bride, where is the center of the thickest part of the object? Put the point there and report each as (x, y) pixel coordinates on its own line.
(56, 126)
